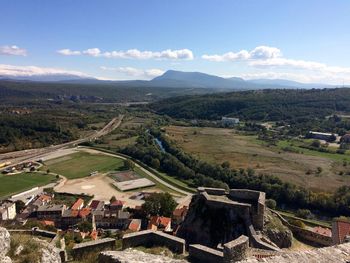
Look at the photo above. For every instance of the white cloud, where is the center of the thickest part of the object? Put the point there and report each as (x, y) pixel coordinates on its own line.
(181, 54)
(95, 52)
(264, 57)
(299, 64)
(135, 72)
(27, 71)
(68, 52)
(261, 52)
(12, 51)
(315, 77)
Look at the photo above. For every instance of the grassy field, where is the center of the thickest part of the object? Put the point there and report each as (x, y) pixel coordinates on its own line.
(11, 184)
(81, 164)
(217, 145)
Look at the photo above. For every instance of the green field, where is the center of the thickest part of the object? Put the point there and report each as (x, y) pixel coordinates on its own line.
(81, 164)
(216, 145)
(11, 184)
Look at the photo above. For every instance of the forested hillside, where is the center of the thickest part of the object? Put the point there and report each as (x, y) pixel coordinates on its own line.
(263, 105)
(96, 92)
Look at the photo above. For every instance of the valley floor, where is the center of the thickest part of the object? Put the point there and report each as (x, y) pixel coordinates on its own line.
(217, 145)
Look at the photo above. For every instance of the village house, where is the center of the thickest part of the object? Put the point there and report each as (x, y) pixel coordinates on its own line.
(160, 223)
(116, 205)
(72, 217)
(7, 211)
(51, 212)
(31, 209)
(112, 219)
(79, 204)
(97, 205)
(229, 121)
(179, 214)
(42, 199)
(340, 231)
(321, 135)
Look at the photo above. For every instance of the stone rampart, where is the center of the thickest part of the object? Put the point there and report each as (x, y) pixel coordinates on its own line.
(98, 245)
(199, 253)
(236, 249)
(212, 191)
(149, 238)
(258, 200)
(306, 234)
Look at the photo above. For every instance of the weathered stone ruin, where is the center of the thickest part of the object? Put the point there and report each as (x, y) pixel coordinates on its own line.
(217, 217)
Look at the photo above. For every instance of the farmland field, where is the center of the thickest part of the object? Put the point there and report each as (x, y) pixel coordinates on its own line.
(217, 145)
(11, 184)
(81, 164)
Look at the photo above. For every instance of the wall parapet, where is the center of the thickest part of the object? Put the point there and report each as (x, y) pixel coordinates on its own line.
(154, 238)
(200, 253)
(104, 243)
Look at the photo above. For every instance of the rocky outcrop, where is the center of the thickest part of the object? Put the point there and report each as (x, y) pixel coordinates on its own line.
(49, 253)
(5, 244)
(335, 254)
(134, 256)
(279, 234)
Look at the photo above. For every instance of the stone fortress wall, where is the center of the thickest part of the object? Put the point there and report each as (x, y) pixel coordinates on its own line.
(150, 238)
(305, 233)
(250, 206)
(101, 244)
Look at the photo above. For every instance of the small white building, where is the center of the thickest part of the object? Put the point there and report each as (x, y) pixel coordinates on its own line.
(7, 211)
(321, 135)
(229, 121)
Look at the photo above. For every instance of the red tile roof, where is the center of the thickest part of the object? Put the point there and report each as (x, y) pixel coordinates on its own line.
(84, 212)
(47, 223)
(71, 213)
(44, 198)
(78, 204)
(159, 221)
(135, 225)
(342, 230)
(180, 212)
(118, 203)
(93, 235)
(322, 231)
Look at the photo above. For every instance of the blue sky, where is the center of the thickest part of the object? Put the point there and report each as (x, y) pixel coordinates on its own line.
(300, 40)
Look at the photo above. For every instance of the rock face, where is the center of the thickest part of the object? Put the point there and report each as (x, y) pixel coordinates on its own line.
(5, 244)
(335, 254)
(134, 256)
(49, 254)
(276, 231)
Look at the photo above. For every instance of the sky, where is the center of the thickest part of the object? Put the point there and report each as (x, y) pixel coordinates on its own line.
(306, 41)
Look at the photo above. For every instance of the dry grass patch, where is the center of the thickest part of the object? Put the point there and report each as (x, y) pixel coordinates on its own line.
(217, 145)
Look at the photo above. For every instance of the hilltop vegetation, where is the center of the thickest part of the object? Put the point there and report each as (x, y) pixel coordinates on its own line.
(264, 105)
(23, 91)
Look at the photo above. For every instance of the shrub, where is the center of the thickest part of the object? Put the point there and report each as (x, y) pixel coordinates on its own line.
(271, 203)
(297, 223)
(304, 213)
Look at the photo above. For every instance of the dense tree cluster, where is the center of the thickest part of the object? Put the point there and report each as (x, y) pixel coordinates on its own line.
(44, 131)
(264, 105)
(159, 204)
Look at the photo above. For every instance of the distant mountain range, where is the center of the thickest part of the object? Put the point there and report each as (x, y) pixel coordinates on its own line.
(180, 79)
